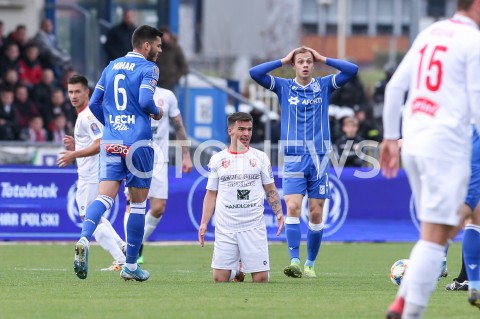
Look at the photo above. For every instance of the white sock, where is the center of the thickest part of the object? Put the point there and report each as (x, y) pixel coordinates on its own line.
(233, 273)
(125, 221)
(104, 237)
(117, 238)
(422, 274)
(150, 225)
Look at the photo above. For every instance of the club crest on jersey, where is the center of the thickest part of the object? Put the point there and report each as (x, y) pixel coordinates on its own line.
(226, 163)
(160, 102)
(253, 162)
(155, 72)
(315, 87)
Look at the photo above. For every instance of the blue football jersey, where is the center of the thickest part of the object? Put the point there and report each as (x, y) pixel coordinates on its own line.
(305, 127)
(127, 84)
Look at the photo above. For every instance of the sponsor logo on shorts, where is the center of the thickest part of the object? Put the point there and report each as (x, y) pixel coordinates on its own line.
(117, 149)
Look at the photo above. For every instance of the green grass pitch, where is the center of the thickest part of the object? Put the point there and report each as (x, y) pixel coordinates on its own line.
(37, 281)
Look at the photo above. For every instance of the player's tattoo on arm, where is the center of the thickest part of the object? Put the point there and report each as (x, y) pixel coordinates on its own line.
(180, 132)
(273, 200)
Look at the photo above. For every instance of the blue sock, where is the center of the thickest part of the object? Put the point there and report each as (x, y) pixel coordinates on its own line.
(135, 229)
(471, 255)
(314, 239)
(294, 235)
(93, 214)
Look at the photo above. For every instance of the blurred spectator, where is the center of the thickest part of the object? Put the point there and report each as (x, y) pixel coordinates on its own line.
(3, 39)
(64, 82)
(42, 92)
(171, 61)
(379, 94)
(24, 107)
(351, 95)
(35, 131)
(51, 55)
(368, 129)
(30, 69)
(10, 59)
(119, 37)
(10, 80)
(58, 105)
(8, 117)
(58, 129)
(348, 142)
(19, 37)
(258, 134)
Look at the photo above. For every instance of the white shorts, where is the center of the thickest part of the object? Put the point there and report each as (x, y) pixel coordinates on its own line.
(249, 246)
(86, 193)
(159, 185)
(439, 187)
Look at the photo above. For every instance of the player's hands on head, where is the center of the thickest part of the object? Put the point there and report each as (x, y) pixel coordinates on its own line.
(317, 56)
(201, 234)
(288, 58)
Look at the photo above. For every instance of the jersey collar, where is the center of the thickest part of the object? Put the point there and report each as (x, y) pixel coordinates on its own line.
(83, 108)
(238, 153)
(462, 19)
(303, 86)
(132, 54)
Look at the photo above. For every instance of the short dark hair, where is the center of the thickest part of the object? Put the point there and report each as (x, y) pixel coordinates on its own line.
(238, 116)
(301, 50)
(464, 5)
(144, 33)
(76, 79)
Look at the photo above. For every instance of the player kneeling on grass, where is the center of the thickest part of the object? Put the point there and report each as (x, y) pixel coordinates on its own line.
(240, 177)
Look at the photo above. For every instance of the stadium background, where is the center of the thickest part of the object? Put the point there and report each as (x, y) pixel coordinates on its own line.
(36, 197)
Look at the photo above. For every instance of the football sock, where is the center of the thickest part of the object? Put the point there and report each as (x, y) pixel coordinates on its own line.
(471, 255)
(105, 238)
(150, 225)
(114, 233)
(422, 274)
(314, 239)
(462, 276)
(93, 214)
(233, 273)
(135, 226)
(293, 234)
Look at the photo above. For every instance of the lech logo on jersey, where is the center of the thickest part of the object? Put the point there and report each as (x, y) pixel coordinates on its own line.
(335, 209)
(243, 194)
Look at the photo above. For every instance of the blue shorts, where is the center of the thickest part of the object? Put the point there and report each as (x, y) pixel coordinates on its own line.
(304, 174)
(135, 166)
(473, 194)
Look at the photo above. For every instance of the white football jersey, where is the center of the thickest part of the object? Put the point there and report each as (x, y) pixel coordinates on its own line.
(238, 180)
(87, 130)
(160, 129)
(441, 72)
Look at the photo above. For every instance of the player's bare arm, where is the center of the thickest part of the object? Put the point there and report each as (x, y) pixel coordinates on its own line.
(67, 157)
(181, 134)
(207, 213)
(158, 116)
(273, 199)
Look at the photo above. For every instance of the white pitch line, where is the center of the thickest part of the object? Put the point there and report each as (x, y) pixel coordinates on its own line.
(40, 269)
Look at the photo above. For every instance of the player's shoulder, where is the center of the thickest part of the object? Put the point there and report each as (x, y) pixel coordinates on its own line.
(217, 158)
(259, 154)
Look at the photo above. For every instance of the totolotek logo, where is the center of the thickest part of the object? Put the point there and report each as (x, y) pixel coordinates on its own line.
(73, 212)
(335, 209)
(28, 191)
